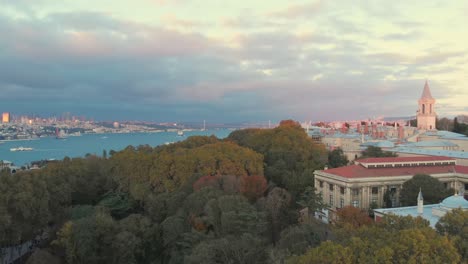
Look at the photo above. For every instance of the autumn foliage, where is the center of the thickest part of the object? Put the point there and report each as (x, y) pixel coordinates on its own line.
(252, 187)
(353, 217)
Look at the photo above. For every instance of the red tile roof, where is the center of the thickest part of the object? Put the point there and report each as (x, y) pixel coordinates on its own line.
(358, 171)
(461, 169)
(403, 159)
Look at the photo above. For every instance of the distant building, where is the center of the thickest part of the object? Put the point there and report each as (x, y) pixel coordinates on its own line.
(426, 116)
(430, 212)
(365, 183)
(6, 117)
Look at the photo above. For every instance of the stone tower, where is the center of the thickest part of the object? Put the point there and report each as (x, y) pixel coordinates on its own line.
(426, 115)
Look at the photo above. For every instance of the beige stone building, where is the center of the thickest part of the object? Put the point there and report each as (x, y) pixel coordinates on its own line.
(366, 182)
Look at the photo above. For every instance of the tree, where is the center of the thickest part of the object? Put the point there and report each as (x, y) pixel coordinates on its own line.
(253, 187)
(455, 225)
(277, 206)
(295, 240)
(444, 124)
(336, 158)
(432, 189)
(376, 245)
(376, 152)
(394, 223)
(233, 215)
(244, 248)
(456, 126)
(352, 217)
(88, 240)
(423, 246)
(327, 253)
(312, 200)
(290, 155)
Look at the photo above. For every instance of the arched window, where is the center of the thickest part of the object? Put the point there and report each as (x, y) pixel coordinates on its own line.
(430, 109)
(424, 108)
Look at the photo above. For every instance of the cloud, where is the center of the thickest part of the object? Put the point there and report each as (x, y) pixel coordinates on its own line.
(339, 62)
(403, 36)
(297, 11)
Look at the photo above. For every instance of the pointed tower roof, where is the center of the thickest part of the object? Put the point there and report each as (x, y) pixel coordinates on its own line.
(426, 92)
(420, 197)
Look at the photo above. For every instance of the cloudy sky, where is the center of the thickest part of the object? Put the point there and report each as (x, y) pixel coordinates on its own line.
(232, 60)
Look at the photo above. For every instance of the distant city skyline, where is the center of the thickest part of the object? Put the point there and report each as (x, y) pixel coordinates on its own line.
(182, 60)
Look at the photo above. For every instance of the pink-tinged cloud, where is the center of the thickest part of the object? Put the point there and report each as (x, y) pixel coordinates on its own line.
(109, 37)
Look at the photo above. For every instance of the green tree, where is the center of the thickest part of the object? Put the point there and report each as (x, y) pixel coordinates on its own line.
(327, 253)
(336, 158)
(394, 223)
(290, 154)
(312, 200)
(376, 152)
(277, 205)
(423, 246)
(233, 214)
(245, 248)
(88, 240)
(296, 239)
(444, 124)
(432, 189)
(455, 225)
(457, 128)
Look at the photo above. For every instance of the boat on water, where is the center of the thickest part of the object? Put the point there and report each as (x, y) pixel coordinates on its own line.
(180, 133)
(21, 149)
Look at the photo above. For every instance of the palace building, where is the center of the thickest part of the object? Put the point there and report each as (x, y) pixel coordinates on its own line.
(365, 183)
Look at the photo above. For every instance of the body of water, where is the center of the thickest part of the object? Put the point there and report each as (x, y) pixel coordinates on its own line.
(52, 148)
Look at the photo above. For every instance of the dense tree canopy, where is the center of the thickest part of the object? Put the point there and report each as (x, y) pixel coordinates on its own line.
(455, 225)
(290, 154)
(432, 189)
(377, 244)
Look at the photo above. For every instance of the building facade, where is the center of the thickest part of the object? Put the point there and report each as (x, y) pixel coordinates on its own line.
(426, 116)
(6, 117)
(365, 183)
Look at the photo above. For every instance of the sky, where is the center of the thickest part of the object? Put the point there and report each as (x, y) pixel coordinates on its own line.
(232, 60)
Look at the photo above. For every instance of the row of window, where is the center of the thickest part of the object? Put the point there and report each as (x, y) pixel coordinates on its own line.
(331, 187)
(355, 203)
(410, 165)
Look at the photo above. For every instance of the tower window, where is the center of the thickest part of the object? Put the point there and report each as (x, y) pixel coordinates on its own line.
(424, 108)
